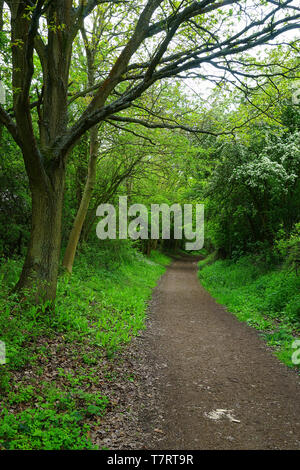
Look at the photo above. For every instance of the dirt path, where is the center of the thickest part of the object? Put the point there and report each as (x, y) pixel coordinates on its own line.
(206, 360)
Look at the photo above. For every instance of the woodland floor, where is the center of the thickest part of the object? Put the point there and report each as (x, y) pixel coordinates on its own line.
(206, 380)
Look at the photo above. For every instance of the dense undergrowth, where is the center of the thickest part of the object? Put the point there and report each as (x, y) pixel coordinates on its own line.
(50, 386)
(266, 296)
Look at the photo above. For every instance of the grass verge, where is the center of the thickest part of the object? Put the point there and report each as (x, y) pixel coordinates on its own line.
(56, 385)
(267, 298)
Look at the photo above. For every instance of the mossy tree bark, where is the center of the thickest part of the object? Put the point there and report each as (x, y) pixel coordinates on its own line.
(40, 269)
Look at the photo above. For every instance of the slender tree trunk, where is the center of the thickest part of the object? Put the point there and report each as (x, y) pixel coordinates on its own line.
(149, 247)
(129, 189)
(84, 204)
(40, 269)
(68, 261)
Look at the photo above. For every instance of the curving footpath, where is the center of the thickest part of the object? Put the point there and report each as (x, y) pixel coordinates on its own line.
(220, 387)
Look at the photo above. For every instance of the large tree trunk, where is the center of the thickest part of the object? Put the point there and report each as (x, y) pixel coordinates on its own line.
(40, 269)
(44, 157)
(70, 252)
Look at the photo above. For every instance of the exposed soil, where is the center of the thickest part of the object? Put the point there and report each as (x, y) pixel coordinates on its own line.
(213, 382)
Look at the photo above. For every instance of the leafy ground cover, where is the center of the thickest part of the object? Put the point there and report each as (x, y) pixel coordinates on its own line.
(266, 297)
(57, 384)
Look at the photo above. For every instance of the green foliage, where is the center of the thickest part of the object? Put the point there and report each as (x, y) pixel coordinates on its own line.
(250, 183)
(265, 297)
(99, 309)
(209, 259)
(44, 428)
(248, 179)
(111, 307)
(288, 247)
(15, 204)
